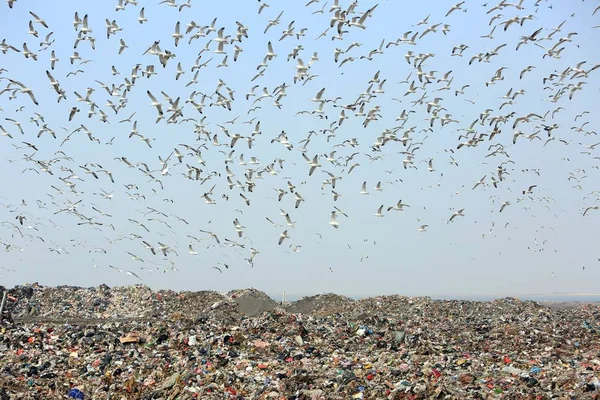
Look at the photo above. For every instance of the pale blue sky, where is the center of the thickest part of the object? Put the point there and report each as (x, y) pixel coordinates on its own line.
(475, 255)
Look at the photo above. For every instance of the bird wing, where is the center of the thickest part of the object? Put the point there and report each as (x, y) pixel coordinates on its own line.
(151, 96)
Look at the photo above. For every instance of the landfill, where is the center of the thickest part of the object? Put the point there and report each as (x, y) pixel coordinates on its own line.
(136, 343)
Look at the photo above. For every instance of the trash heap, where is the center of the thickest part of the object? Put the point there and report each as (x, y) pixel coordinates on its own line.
(135, 343)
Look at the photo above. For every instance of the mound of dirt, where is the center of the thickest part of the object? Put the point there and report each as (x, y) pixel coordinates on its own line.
(252, 302)
(328, 303)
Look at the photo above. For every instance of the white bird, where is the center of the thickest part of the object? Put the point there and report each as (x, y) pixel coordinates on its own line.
(458, 213)
(480, 182)
(53, 59)
(122, 46)
(179, 72)
(289, 222)
(85, 29)
(333, 220)
(314, 163)
(32, 30)
(272, 22)
(430, 166)
(284, 235)
(25, 90)
(270, 53)
(177, 34)
(38, 20)
(299, 199)
(155, 103)
(398, 207)
(142, 18)
(364, 188)
(455, 7)
(317, 98)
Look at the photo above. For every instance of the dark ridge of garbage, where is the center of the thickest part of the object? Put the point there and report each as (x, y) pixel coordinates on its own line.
(141, 302)
(562, 305)
(135, 343)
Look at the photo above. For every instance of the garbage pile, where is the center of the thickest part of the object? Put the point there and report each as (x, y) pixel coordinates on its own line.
(135, 343)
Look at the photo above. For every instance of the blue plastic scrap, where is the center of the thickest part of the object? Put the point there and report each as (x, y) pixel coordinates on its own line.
(76, 394)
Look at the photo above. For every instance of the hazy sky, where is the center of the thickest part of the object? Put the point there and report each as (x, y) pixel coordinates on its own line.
(540, 243)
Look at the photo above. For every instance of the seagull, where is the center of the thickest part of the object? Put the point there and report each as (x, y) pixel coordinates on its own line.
(299, 199)
(134, 257)
(25, 90)
(272, 22)
(142, 18)
(149, 247)
(270, 53)
(122, 45)
(589, 209)
(284, 235)
(364, 188)
(314, 163)
(526, 69)
(430, 166)
(212, 234)
(458, 213)
(398, 207)
(177, 35)
(155, 103)
(333, 220)
(262, 6)
(38, 20)
(317, 98)
(131, 273)
(455, 8)
(32, 30)
(480, 182)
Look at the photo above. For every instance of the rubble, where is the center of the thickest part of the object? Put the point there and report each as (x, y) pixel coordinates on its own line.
(134, 343)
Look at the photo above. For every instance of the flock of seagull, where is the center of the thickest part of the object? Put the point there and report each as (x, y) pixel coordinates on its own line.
(131, 150)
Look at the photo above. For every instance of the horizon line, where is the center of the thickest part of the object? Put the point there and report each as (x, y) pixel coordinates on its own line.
(435, 295)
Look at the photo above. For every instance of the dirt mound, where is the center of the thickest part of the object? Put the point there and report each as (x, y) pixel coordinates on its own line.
(252, 302)
(328, 303)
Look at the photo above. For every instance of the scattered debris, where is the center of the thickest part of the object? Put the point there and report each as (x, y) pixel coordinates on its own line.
(132, 342)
